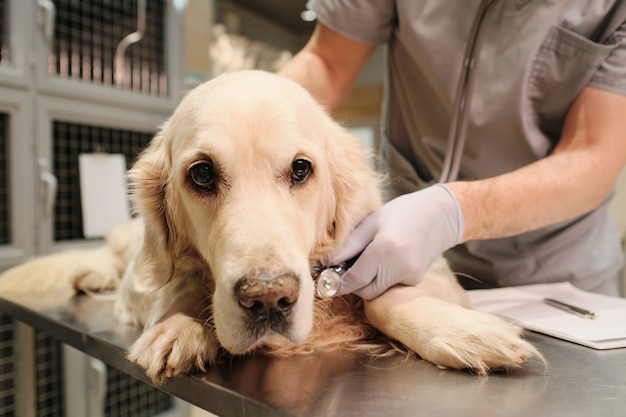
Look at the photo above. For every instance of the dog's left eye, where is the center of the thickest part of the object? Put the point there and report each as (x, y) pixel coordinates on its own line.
(203, 174)
(300, 170)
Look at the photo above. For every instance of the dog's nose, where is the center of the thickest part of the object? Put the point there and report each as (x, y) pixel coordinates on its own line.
(267, 297)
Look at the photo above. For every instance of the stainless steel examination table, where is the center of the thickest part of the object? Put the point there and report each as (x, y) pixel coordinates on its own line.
(579, 381)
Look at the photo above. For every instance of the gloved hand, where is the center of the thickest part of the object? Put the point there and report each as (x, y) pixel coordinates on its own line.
(400, 240)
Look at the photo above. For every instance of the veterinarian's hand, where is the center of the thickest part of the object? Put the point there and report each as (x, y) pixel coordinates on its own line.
(400, 240)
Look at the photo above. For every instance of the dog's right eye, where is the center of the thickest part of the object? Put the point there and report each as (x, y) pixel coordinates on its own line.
(203, 174)
(300, 170)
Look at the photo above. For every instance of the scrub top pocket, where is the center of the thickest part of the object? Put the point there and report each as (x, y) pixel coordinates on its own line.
(565, 63)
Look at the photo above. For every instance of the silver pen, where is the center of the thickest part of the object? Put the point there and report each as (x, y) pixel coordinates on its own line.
(570, 308)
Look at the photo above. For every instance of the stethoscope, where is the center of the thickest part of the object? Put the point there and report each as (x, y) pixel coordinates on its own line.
(329, 279)
(465, 87)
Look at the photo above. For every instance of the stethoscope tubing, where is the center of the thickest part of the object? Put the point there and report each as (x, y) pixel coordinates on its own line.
(463, 95)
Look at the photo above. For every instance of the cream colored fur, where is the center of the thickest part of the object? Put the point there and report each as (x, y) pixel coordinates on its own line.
(183, 258)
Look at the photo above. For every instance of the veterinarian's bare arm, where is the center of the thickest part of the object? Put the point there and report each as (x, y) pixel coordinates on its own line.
(328, 65)
(578, 175)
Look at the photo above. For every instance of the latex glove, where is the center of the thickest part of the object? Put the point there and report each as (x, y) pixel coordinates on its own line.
(400, 240)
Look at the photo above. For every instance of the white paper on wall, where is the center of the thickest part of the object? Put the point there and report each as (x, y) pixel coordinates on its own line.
(104, 192)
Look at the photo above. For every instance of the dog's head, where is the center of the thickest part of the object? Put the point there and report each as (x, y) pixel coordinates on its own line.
(252, 177)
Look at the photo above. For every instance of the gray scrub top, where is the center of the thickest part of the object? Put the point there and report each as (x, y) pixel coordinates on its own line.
(536, 56)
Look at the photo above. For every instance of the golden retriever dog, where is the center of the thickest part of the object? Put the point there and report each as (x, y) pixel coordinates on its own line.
(248, 188)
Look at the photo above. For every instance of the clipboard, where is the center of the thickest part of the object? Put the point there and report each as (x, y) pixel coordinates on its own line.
(525, 305)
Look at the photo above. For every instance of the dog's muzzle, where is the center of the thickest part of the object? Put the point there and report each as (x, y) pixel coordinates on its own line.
(267, 298)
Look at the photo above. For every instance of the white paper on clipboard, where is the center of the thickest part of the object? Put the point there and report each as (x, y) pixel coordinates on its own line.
(525, 305)
(104, 192)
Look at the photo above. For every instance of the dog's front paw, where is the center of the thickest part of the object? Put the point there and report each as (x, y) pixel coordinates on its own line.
(177, 345)
(477, 341)
(451, 336)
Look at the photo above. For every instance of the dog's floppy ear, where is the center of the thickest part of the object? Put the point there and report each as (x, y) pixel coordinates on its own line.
(148, 180)
(356, 185)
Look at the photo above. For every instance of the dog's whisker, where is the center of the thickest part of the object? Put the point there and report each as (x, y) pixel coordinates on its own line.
(468, 276)
(209, 322)
(206, 309)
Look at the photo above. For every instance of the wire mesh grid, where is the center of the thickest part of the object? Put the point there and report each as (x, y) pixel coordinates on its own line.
(5, 53)
(48, 376)
(125, 396)
(69, 141)
(7, 367)
(128, 397)
(5, 226)
(87, 34)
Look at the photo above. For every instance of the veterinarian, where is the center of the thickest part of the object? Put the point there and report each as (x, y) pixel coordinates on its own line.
(538, 113)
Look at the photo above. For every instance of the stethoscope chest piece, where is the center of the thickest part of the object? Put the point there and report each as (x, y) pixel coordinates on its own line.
(328, 283)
